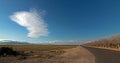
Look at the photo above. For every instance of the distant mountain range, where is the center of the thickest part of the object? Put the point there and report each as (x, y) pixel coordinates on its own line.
(11, 42)
(66, 43)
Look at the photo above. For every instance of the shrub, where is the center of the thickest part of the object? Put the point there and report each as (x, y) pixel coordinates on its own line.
(7, 51)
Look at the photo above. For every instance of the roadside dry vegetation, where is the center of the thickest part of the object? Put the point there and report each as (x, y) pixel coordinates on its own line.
(109, 43)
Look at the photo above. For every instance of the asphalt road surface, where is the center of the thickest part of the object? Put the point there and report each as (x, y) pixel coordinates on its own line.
(104, 55)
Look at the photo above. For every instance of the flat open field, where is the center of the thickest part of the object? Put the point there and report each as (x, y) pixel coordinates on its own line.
(39, 47)
(33, 53)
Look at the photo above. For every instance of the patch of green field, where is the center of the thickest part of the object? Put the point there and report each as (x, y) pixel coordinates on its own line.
(39, 47)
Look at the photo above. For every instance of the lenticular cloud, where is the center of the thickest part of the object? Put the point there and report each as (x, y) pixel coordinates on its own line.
(32, 21)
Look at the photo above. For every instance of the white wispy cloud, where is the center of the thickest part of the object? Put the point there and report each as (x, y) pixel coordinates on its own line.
(33, 21)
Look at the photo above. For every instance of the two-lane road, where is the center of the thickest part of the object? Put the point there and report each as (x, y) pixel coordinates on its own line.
(104, 56)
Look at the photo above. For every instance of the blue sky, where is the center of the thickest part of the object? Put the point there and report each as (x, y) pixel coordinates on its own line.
(65, 19)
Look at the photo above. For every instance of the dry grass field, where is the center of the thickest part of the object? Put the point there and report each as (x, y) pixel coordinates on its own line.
(39, 47)
(35, 54)
(48, 54)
